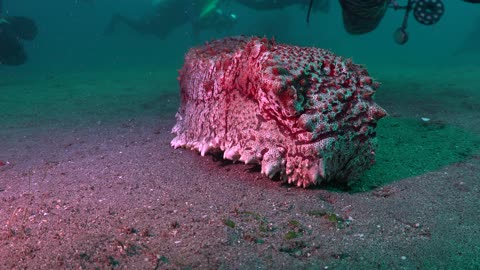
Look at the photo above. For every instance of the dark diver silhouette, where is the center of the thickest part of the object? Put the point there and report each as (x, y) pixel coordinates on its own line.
(168, 15)
(14, 29)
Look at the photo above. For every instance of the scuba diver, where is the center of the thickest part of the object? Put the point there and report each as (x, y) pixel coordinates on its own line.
(170, 14)
(363, 16)
(14, 29)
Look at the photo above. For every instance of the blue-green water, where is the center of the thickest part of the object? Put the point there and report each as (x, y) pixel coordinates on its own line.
(71, 38)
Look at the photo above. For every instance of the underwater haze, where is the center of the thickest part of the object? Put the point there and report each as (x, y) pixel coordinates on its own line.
(71, 35)
(89, 178)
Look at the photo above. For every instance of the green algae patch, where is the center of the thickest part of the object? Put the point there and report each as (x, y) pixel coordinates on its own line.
(291, 235)
(317, 213)
(294, 248)
(264, 226)
(294, 223)
(229, 223)
(296, 230)
(411, 147)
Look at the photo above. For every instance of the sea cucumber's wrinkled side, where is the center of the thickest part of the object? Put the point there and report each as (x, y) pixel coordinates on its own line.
(302, 113)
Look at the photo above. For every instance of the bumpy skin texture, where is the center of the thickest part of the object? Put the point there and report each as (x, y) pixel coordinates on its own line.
(303, 114)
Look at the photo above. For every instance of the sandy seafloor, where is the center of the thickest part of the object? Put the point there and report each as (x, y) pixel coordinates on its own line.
(88, 180)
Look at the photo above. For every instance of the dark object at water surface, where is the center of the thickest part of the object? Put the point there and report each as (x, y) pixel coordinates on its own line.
(362, 16)
(12, 31)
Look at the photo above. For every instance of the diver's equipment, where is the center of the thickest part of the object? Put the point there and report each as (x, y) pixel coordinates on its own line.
(426, 12)
(359, 16)
(308, 12)
(401, 35)
(362, 16)
(321, 6)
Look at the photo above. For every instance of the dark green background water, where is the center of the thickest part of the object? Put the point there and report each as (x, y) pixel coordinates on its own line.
(71, 37)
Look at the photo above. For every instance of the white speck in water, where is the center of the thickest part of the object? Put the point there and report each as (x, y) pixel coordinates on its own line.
(425, 119)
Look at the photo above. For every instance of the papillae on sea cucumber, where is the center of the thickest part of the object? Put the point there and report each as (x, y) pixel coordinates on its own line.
(304, 114)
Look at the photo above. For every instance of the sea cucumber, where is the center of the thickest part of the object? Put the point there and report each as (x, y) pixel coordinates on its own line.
(304, 114)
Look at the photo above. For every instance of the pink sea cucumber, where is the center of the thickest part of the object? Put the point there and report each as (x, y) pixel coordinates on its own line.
(302, 113)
